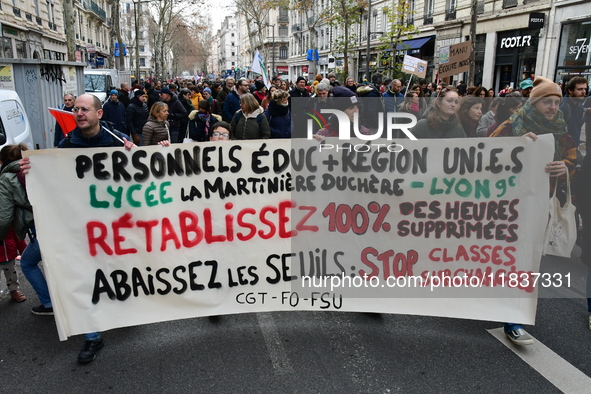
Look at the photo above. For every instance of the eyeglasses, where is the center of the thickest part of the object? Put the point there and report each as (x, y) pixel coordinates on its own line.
(84, 110)
(221, 135)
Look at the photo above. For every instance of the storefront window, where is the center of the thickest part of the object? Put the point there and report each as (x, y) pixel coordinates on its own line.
(516, 57)
(574, 56)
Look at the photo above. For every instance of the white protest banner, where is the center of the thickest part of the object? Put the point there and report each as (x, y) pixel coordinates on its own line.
(414, 66)
(157, 234)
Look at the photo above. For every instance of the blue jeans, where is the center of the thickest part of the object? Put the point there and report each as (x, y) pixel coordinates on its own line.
(30, 260)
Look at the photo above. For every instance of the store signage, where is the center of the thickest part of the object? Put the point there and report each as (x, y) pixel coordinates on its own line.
(581, 47)
(518, 41)
(536, 20)
(304, 69)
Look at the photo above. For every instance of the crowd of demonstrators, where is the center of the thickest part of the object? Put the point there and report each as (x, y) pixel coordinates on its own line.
(508, 106)
(392, 96)
(412, 104)
(178, 117)
(232, 101)
(269, 96)
(488, 118)
(213, 103)
(441, 120)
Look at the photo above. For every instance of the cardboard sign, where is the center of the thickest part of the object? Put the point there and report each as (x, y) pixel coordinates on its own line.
(414, 66)
(454, 59)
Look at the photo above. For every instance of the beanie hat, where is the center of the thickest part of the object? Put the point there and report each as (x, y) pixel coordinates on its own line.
(300, 79)
(207, 90)
(114, 92)
(138, 93)
(345, 98)
(543, 87)
(326, 81)
(259, 85)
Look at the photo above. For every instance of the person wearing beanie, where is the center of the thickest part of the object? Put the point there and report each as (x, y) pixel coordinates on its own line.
(333, 80)
(136, 115)
(299, 90)
(260, 90)
(541, 115)
(215, 107)
(114, 112)
(346, 101)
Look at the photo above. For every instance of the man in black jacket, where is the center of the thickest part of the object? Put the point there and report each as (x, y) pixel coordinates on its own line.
(137, 114)
(176, 113)
(153, 95)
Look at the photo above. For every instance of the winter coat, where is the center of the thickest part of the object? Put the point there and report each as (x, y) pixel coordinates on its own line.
(231, 105)
(195, 99)
(252, 127)
(137, 115)
(221, 97)
(103, 139)
(153, 97)
(177, 115)
(188, 105)
(200, 126)
(295, 92)
(448, 129)
(16, 209)
(124, 98)
(279, 118)
(11, 246)
(155, 131)
(114, 112)
(59, 133)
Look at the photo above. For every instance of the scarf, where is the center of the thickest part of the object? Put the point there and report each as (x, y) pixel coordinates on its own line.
(529, 119)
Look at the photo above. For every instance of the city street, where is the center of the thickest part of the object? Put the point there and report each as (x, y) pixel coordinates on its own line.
(309, 351)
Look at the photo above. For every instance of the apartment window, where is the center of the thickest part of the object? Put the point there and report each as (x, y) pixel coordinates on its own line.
(283, 52)
(233, 63)
(429, 6)
(142, 62)
(233, 53)
(6, 47)
(283, 31)
(21, 49)
(36, 7)
(47, 54)
(232, 34)
(142, 48)
(452, 4)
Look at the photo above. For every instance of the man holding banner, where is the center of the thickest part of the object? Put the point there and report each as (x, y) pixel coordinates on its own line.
(90, 132)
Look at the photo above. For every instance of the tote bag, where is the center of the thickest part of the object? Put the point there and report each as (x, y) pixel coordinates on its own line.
(561, 232)
(187, 139)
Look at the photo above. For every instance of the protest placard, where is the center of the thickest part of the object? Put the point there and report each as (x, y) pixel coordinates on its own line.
(157, 234)
(414, 66)
(454, 59)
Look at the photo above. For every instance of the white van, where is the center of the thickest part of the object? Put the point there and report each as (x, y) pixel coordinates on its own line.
(99, 82)
(14, 124)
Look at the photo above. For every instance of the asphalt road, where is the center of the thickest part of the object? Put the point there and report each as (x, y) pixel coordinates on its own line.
(307, 352)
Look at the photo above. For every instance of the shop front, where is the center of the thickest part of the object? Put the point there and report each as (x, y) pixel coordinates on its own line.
(515, 57)
(574, 55)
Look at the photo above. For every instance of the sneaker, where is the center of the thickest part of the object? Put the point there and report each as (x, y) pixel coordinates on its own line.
(42, 311)
(519, 337)
(17, 296)
(89, 351)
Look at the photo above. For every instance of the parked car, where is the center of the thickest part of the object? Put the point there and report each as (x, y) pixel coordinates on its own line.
(14, 124)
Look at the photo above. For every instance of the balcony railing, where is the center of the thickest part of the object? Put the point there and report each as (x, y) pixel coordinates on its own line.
(428, 19)
(17, 11)
(92, 6)
(52, 26)
(450, 14)
(509, 3)
(410, 21)
(29, 17)
(282, 19)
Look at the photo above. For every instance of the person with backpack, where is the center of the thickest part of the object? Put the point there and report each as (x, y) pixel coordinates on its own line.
(249, 123)
(91, 132)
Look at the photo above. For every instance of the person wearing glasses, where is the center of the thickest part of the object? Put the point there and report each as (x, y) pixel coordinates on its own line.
(201, 122)
(221, 132)
(232, 102)
(91, 132)
(67, 106)
(227, 87)
(541, 115)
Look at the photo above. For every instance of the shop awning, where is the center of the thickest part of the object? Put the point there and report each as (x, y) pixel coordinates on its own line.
(415, 43)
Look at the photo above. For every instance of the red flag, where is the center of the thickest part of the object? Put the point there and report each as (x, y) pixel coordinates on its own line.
(65, 119)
